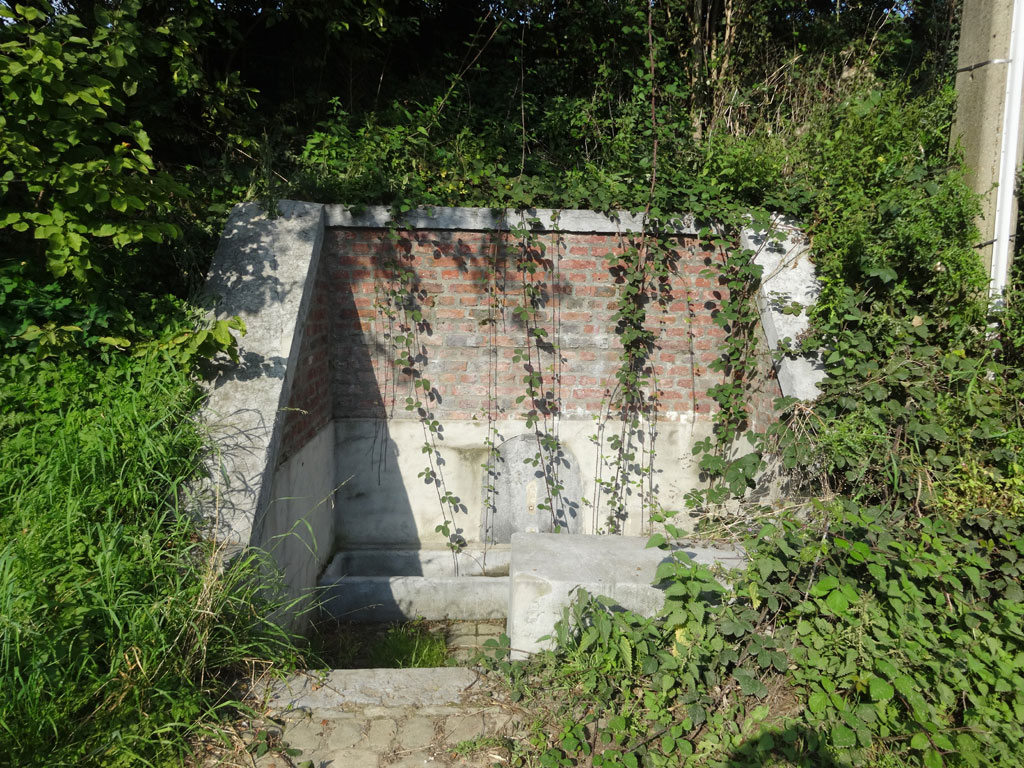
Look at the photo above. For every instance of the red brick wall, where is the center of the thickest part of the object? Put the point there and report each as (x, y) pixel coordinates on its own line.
(310, 404)
(467, 285)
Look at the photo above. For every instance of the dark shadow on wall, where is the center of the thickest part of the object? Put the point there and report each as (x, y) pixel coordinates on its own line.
(251, 277)
(374, 374)
(372, 505)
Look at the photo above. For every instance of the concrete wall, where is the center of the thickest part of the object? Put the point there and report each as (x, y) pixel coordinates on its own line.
(272, 480)
(297, 527)
(318, 448)
(263, 272)
(384, 501)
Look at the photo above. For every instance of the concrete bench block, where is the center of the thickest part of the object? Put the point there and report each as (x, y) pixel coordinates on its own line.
(547, 567)
(401, 598)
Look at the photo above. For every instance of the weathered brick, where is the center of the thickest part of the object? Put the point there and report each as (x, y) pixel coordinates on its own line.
(456, 272)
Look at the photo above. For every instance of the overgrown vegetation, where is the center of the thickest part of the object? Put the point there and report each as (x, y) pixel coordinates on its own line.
(122, 635)
(120, 632)
(879, 620)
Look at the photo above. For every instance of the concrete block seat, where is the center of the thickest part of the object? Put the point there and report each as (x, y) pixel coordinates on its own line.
(403, 584)
(547, 567)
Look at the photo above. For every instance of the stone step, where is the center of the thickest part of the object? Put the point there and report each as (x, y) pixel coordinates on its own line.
(401, 598)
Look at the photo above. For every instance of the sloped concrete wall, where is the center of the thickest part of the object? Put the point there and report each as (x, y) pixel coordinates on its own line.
(272, 480)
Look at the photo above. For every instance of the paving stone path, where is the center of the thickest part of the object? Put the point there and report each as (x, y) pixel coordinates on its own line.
(401, 718)
(450, 717)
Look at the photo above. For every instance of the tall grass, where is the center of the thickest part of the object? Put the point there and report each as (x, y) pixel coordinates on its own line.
(120, 634)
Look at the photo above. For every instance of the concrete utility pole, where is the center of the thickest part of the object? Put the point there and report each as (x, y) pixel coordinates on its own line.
(990, 88)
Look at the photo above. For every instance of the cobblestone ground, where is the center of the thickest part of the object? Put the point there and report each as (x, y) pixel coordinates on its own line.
(448, 718)
(467, 736)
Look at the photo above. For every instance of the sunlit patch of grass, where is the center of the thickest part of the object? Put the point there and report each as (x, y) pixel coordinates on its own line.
(408, 645)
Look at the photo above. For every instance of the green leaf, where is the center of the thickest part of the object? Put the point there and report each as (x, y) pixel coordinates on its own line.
(904, 684)
(825, 585)
(817, 702)
(837, 602)
(880, 690)
(843, 737)
(656, 540)
(920, 741)
(919, 707)
(877, 571)
(749, 683)
(114, 341)
(887, 668)
(221, 333)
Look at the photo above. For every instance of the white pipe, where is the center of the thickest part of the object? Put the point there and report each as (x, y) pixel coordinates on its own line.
(1008, 156)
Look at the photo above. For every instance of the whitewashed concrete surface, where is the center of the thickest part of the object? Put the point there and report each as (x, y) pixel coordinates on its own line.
(788, 276)
(498, 219)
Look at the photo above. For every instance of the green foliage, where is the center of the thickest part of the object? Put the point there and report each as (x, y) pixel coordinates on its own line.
(913, 634)
(78, 170)
(87, 209)
(854, 634)
(408, 645)
(120, 631)
(897, 212)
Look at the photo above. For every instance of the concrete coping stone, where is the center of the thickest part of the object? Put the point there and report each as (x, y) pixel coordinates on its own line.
(537, 220)
(788, 277)
(340, 690)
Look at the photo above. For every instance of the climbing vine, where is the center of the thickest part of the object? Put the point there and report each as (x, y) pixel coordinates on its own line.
(492, 283)
(730, 475)
(400, 305)
(540, 358)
